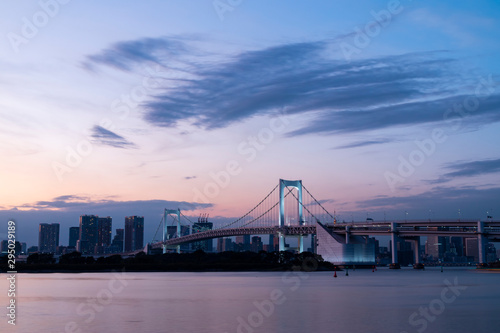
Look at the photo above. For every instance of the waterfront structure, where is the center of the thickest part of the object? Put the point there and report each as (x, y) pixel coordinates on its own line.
(314, 219)
(344, 250)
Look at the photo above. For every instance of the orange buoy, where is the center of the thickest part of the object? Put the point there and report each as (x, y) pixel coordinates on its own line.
(335, 275)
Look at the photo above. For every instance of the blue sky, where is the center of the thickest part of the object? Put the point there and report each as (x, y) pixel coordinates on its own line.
(124, 108)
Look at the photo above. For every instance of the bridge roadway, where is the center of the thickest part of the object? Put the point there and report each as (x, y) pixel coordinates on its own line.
(459, 228)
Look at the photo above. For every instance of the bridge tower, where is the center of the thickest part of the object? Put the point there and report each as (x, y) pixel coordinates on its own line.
(283, 185)
(167, 212)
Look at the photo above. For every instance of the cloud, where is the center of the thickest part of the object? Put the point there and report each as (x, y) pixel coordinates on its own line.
(468, 169)
(401, 115)
(446, 201)
(86, 205)
(321, 202)
(105, 137)
(474, 168)
(126, 54)
(364, 143)
(67, 209)
(308, 78)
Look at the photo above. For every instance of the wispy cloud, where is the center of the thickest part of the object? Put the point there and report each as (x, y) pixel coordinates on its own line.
(106, 137)
(358, 144)
(84, 204)
(446, 200)
(468, 169)
(126, 54)
(338, 97)
(321, 202)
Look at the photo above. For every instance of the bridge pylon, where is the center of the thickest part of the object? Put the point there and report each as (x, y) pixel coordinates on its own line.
(281, 222)
(167, 212)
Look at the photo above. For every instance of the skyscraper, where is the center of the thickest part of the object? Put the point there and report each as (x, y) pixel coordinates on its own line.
(436, 246)
(117, 244)
(471, 248)
(243, 242)
(74, 235)
(134, 233)
(224, 244)
(104, 231)
(48, 237)
(205, 245)
(88, 234)
(257, 245)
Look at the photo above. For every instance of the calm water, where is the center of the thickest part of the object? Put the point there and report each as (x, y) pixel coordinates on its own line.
(365, 301)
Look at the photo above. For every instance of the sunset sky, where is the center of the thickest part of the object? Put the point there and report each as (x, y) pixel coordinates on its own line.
(126, 108)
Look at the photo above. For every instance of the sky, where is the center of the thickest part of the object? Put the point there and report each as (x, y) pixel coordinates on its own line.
(386, 109)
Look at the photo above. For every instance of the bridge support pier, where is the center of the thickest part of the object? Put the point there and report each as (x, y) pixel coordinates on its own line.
(313, 243)
(394, 244)
(301, 244)
(281, 241)
(167, 212)
(281, 223)
(482, 241)
(416, 245)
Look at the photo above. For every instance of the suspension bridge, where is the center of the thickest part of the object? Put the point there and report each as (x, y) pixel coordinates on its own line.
(290, 210)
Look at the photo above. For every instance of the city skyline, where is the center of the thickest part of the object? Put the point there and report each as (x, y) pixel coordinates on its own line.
(384, 110)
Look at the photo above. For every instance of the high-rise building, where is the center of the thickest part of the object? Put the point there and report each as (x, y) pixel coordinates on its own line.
(457, 245)
(32, 249)
(220, 245)
(257, 245)
(274, 243)
(48, 237)
(205, 245)
(243, 242)
(88, 234)
(224, 244)
(104, 231)
(74, 235)
(436, 246)
(117, 244)
(471, 248)
(134, 233)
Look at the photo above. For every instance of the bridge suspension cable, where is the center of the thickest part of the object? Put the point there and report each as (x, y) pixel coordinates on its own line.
(267, 211)
(249, 212)
(319, 204)
(156, 233)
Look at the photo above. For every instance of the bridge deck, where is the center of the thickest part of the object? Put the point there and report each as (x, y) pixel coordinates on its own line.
(460, 228)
